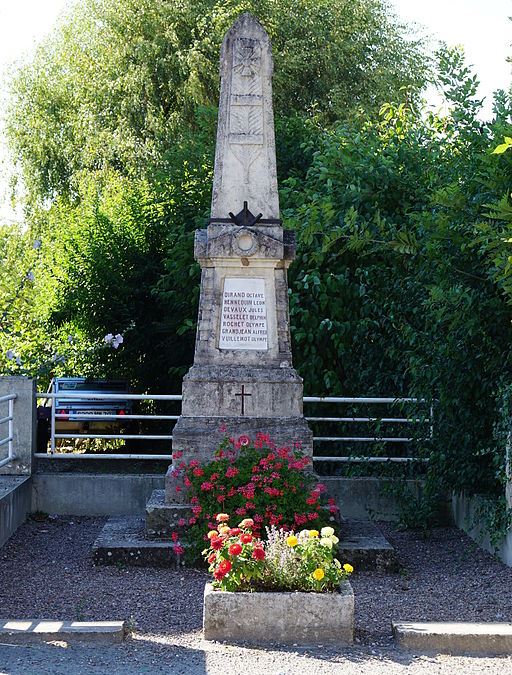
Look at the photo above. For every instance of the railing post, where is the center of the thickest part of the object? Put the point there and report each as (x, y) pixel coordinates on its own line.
(22, 427)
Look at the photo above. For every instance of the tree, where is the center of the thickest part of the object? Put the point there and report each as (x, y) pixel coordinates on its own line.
(120, 80)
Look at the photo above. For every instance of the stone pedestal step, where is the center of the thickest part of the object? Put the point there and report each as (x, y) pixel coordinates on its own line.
(122, 541)
(363, 545)
(448, 637)
(45, 630)
(162, 519)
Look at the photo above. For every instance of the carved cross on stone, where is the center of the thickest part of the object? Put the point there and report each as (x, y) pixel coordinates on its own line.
(242, 395)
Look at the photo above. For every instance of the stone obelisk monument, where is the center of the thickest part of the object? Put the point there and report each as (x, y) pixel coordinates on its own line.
(242, 379)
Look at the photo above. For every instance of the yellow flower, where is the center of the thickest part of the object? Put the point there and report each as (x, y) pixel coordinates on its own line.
(212, 533)
(327, 531)
(325, 541)
(348, 568)
(313, 534)
(292, 540)
(223, 529)
(318, 574)
(334, 539)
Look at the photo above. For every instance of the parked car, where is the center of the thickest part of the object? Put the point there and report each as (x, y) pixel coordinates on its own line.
(77, 415)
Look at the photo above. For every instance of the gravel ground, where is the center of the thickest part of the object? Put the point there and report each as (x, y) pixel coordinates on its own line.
(45, 572)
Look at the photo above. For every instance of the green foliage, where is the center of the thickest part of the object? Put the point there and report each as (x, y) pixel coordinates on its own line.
(119, 82)
(402, 279)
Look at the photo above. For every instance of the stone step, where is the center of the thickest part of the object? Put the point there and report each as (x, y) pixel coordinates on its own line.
(455, 638)
(45, 630)
(363, 545)
(162, 519)
(122, 541)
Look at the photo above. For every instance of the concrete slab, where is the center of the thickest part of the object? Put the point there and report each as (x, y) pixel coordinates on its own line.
(455, 638)
(122, 542)
(45, 630)
(363, 545)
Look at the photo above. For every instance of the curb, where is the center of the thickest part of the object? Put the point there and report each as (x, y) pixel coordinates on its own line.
(492, 639)
(43, 630)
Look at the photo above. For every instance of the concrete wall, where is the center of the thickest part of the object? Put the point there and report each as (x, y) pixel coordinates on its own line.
(365, 498)
(24, 424)
(93, 494)
(15, 494)
(463, 511)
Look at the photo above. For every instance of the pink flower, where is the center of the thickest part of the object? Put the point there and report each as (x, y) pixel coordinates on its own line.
(223, 428)
(244, 440)
(182, 522)
(197, 510)
(206, 486)
(231, 472)
(192, 521)
(177, 454)
(178, 549)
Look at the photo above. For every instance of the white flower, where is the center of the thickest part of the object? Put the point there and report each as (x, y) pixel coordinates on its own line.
(37, 244)
(108, 338)
(9, 354)
(30, 276)
(118, 340)
(326, 531)
(326, 541)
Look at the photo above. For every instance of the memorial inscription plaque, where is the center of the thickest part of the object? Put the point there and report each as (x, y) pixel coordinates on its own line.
(243, 322)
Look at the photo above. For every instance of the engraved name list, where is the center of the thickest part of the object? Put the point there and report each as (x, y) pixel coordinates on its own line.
(244, 315)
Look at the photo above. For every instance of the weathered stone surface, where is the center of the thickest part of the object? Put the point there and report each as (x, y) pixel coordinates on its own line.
(24, 424)
(364, 546)
(163, 519)
(122, 542)
(245, 161)
(455, 638)
(282, 618)
(43, 630)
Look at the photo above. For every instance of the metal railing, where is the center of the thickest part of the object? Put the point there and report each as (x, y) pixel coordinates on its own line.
(70, 396)
(388, 401)
(426, 420)
(9, 421)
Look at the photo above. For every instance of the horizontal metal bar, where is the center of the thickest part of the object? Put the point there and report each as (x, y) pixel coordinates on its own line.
(365, 419)
(6, 419)
(344, 399)
(8, 397)
(370, 459)
(121, 437)
(70, 395)
(88, 455)
(6, 440)
(106, 418)
(345, 439)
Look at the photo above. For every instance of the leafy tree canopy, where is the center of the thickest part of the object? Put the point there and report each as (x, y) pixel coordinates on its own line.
(119, 80)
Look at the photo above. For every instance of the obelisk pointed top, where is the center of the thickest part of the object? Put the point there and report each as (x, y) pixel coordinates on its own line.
(245, 158)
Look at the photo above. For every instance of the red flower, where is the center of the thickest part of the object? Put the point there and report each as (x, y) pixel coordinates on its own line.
(231, 472)
(198, 472)
(177, 454)
(197, 510)
(245, 538)
(258, 553)
(175, 536)
(182, 522)
(311, 501)
(234, 531)
(216, 543)
(192, 521)
(206, 486)
(244, 440)
(225, 566)
(212, 558)
(235, 549)
(178, 549)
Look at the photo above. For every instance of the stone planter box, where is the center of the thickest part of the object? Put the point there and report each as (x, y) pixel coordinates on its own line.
(284, 618)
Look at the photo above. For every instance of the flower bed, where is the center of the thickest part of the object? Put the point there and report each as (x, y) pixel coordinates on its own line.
(310, 598)
(251, 479)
